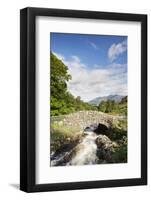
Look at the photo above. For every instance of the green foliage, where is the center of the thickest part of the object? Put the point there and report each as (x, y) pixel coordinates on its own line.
(62, 101)
(119, 134)
(124, 100)
(59, 77)
(120, 154)
(107, 106)
(63, 135)
(113, 107)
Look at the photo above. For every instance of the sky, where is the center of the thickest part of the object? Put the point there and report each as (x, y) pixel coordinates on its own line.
(97, 63)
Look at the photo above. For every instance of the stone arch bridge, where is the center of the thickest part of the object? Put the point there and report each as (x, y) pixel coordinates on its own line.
(84, 119)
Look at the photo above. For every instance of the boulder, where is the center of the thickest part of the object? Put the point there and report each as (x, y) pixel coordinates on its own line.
(105, 148)
(103, 141)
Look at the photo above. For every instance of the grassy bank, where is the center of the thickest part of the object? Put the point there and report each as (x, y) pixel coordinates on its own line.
(62, 135)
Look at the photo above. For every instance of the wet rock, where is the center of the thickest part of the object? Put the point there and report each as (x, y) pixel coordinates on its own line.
(105, 148)
(103, 141)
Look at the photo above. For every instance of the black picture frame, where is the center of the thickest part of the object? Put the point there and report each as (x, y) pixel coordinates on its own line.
(28, 99)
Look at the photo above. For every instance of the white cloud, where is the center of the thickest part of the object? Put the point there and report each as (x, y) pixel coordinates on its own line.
(117, 49)
(91, 82)
(93, 45)
(60, 56)
(76, 59)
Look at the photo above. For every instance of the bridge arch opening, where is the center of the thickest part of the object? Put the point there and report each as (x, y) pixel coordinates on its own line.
(101, 129)
(97, 128)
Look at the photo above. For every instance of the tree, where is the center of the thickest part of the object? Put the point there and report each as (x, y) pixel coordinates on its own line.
(58, 78)
(62, 101)
(107, 106)
(124, 100)
(102, 106)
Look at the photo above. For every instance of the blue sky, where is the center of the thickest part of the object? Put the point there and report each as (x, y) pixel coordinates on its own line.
(97, 63)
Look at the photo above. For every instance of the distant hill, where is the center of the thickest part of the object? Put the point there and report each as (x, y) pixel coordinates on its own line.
(96, 101)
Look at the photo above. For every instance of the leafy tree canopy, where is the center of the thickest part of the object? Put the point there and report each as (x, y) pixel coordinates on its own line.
(62, 101)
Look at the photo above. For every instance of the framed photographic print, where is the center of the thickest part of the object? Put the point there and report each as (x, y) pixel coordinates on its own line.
(83, 95)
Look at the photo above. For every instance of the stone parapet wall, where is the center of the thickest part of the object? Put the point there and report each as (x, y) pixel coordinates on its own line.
(83, 119)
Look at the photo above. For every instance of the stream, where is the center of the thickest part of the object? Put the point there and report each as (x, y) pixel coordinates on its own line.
(86, 151)
(82, 154)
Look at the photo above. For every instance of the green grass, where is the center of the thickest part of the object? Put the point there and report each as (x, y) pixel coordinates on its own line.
(62, 135)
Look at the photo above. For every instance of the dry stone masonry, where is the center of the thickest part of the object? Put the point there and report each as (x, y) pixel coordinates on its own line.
(84, 119)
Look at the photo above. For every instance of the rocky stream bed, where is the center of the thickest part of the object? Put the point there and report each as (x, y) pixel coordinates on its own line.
(94, 147)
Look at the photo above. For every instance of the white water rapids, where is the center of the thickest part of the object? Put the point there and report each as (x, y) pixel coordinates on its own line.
(83, 153)
(86, 151)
